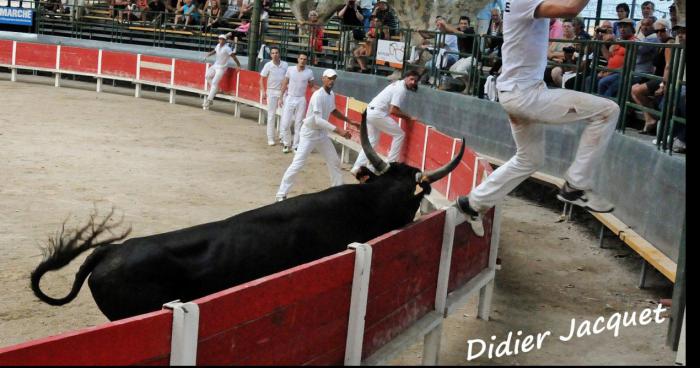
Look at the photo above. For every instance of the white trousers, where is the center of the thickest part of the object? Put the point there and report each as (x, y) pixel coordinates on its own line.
(529, 107)
(377, 123)
(306, 146)
(294, 108)
(213, 77)
(273, 97)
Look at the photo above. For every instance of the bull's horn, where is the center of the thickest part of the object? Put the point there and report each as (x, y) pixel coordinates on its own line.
(433, 176)
(372, 156)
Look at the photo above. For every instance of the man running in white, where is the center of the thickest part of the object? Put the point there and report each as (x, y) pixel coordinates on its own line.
(294, 85)
(314, 134)
(528, 102)
(272, 75)
(389, 101)
(218, 69)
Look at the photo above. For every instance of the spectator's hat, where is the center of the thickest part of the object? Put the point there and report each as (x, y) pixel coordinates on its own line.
(222, 36)
(383, 1)
(329, 73)
(679, 24)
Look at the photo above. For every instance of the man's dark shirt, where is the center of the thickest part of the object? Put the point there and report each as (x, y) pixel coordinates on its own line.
(350, 18)
(156, 6)
(465, 43)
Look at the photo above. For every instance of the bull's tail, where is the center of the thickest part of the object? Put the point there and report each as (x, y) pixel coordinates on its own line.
(66, 246)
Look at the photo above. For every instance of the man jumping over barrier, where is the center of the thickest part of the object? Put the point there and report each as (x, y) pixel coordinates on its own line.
(528, 102)
(215, 72)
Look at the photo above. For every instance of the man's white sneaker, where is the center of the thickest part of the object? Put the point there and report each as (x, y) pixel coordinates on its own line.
(270, 143)
(206, 104)
(584, 198)
(285, 149)
(474, 218)
(280, 199)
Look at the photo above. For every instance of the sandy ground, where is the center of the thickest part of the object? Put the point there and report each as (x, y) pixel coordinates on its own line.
(164, 167)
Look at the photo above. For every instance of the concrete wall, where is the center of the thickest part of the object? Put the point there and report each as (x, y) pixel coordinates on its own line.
(647, 186)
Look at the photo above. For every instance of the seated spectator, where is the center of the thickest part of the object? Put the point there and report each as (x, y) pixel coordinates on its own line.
(156, 9)
(493, 43)
(387, 17)
(447, 50)
(233, 10)
(116, 7)
(623, 13)
(136, 10)
(188, 13)
(556, 53)
(212, 15)
(580, 29)
(170, 9)
(53, 6)
(609, 82)
(366, 49)
(465, 42)
(246, 9)
(647, 12)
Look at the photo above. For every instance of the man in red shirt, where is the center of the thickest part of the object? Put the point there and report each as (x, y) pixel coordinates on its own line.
(609, 82)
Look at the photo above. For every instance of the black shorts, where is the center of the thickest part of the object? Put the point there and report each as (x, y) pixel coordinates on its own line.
(653, 85)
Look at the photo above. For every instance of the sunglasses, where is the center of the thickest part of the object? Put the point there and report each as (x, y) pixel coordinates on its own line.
(660, 30)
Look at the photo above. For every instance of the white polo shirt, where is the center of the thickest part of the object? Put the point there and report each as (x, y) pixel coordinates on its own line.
(298, 81)
(525, 41)
(393, 94)
(274, 74)
(222, 55)
(321, 105)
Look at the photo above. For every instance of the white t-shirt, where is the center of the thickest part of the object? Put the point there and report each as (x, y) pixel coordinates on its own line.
(393, 94)
(298, 81)
(451, 43)
(275, 74)
(222, 55)
(321, 105)
(525, 41)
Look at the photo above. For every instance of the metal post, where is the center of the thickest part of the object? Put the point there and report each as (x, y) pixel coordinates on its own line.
(598, 11)
(486, 292)
(358, 303)
(601, 237)
(183, 344)
(643, 274)
(254, 34)
(678, 301)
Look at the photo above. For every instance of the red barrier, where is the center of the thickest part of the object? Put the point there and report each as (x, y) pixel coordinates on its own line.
(118, 64)
(189, 74)
(228, 83)
(36, 55)
(80, 60)
(249, 85)
(155, 69)
(439, 151)
(6, 52)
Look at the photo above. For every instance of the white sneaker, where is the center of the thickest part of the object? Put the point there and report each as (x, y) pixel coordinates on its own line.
(206, 104)
(280, 199)
(270, 143)
(285, 149)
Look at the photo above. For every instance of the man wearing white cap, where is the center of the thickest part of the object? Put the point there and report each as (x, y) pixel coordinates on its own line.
(314, 134)
(215, 72)
(389, 101)
(294, 85)
(273, 75)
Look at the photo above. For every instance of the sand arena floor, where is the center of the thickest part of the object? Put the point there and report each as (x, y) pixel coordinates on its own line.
(164, 167)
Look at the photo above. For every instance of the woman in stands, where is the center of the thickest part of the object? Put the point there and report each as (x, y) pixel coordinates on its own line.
(212, 15)
(314, 29)
(364, 51)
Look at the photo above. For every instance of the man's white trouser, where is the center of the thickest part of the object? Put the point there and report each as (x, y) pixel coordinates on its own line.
(213, 77)
(376, 123)
(273, 97)
(527, 108)
(294, 107)
(306, 146)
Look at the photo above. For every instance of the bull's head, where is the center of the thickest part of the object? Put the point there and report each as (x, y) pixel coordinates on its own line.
(399, 174)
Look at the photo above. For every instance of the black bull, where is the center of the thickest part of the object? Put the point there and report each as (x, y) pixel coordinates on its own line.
(141, 274)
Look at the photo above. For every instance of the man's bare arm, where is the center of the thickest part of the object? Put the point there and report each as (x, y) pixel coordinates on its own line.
(394, 110)
(344, 118)
(560, 8)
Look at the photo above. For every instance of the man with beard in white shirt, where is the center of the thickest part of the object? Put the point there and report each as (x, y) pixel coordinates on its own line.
(314, 135)
(272, 75)
(216, 71)
(389, 101)
(296, 80)
(529, 104)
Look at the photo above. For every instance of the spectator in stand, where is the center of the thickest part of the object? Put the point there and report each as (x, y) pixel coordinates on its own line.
(246, 9)
(465, 41)
(213, 15)
(580, 29)
(601, 32)
(646, 54)
(53, 6)
(313, 29)
(561, 53)
(170, 9)
(233, 10)
(351, 16)
(265, 15)
(366, 7)
(678, 134)
(673, 17)
(117, 6)
(493, 43)
(448, 48)
(187, 12)
(623, 13)
(556, 28)
(483, 17)
(643, 92)
(156, 9)
(609, 83)
(647, 12)
(365, 49)
(387, 17)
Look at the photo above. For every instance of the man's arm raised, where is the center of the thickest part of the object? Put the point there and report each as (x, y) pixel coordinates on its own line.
(560, 8)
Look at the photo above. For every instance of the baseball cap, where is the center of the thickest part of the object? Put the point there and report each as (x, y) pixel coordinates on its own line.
(222, 36)
(330, 73)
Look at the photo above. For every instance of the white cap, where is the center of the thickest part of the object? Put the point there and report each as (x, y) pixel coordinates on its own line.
(330, 73)
(222, 36)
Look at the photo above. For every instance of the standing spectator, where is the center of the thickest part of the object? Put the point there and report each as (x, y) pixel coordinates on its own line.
(647, 12)
(556, 28)
(623, 13)
(610, 81)
(389, 101)
(272, 75)
(387, 17)
(366, 7)
(218, 69)
(314, 135)
(643, 93)
(296, 80)
(351, 16)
